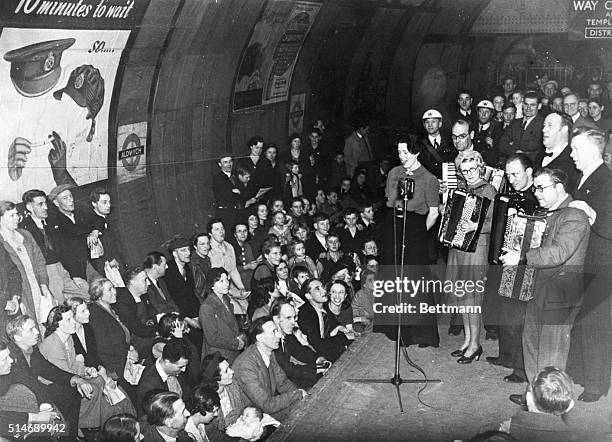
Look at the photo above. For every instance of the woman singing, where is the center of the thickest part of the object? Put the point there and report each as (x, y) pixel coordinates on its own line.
(406, 237)
(471, 266)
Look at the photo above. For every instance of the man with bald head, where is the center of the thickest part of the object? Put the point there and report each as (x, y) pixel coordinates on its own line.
(591, 344)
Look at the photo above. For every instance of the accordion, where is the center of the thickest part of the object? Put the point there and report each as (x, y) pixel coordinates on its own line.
(462, 206)
(497, 178)
(523, 232)
(506, 206)
(449, 176)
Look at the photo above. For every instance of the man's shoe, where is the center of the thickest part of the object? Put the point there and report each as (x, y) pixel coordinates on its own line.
(589, 397)
(455, 330)
(514, 379)
(518, 399)
(491, 335)
(494, 360)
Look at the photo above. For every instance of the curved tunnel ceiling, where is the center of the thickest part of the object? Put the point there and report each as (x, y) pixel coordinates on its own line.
(391, 58)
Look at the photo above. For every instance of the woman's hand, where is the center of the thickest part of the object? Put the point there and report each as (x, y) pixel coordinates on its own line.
(91, 372)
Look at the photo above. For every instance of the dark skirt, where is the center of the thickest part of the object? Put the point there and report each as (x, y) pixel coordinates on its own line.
(417, 328)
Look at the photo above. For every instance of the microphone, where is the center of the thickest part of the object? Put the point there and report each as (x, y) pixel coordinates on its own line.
(405, 188)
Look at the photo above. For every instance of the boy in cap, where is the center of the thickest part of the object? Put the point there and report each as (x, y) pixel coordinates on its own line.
(483, 134)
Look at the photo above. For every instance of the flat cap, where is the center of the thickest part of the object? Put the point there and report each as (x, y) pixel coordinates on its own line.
(432, 113)
(178, 243)
(36, 69)
(55, 192)
(553, 82)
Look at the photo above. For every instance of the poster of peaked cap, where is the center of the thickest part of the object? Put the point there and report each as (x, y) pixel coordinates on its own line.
(36, 68)
(86, 87)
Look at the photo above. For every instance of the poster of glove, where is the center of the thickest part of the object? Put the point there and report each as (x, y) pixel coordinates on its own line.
(55, 92)
(131, 152)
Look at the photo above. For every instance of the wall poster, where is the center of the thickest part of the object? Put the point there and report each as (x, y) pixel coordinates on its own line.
(131, 152)
(296, 113)
(267, 64)
(56, 86)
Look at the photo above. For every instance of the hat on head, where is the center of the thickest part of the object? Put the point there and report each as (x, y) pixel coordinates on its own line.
(553, 82)
(178, 243)
(55, 192)
(432, 113)
(35, 69)
(486, 104)
(86, 87)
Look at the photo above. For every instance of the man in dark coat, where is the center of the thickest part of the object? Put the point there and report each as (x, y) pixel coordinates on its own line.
(167, 373)
(557, 127)
(70, 232)
(559, 282)
(591, 348)
(436, 148)
(29, 365)
(509, 313)
(101, 232)
(168, 417)
(225, 191)
(310, 365)
(61, 285)
(524, 135)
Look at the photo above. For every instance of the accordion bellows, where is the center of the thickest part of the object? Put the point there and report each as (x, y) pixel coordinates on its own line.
(462, 206)
(522, 233)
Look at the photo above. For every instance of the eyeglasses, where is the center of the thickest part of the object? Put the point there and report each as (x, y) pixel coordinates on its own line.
(541, 188)
(469, 171)
(459, 137)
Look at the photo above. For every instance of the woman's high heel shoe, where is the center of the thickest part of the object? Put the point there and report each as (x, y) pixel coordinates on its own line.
(458, 353)
(468, 359)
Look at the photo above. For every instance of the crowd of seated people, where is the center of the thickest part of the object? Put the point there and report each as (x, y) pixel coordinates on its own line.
(253, 311)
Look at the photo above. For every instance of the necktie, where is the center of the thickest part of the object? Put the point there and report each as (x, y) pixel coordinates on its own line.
(367, 146)
(436, 144)
(174, 385)
(548, 154)
(579, 181)
(524, 125)
(45, 237)
(481, 128)
(228, 303)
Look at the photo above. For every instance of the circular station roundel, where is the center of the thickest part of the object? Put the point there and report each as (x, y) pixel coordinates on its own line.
(131, 141)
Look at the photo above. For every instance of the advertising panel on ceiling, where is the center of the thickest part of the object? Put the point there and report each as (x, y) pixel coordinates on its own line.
(266, 68)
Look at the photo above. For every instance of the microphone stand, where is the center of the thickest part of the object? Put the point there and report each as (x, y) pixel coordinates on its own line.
(397, 380)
